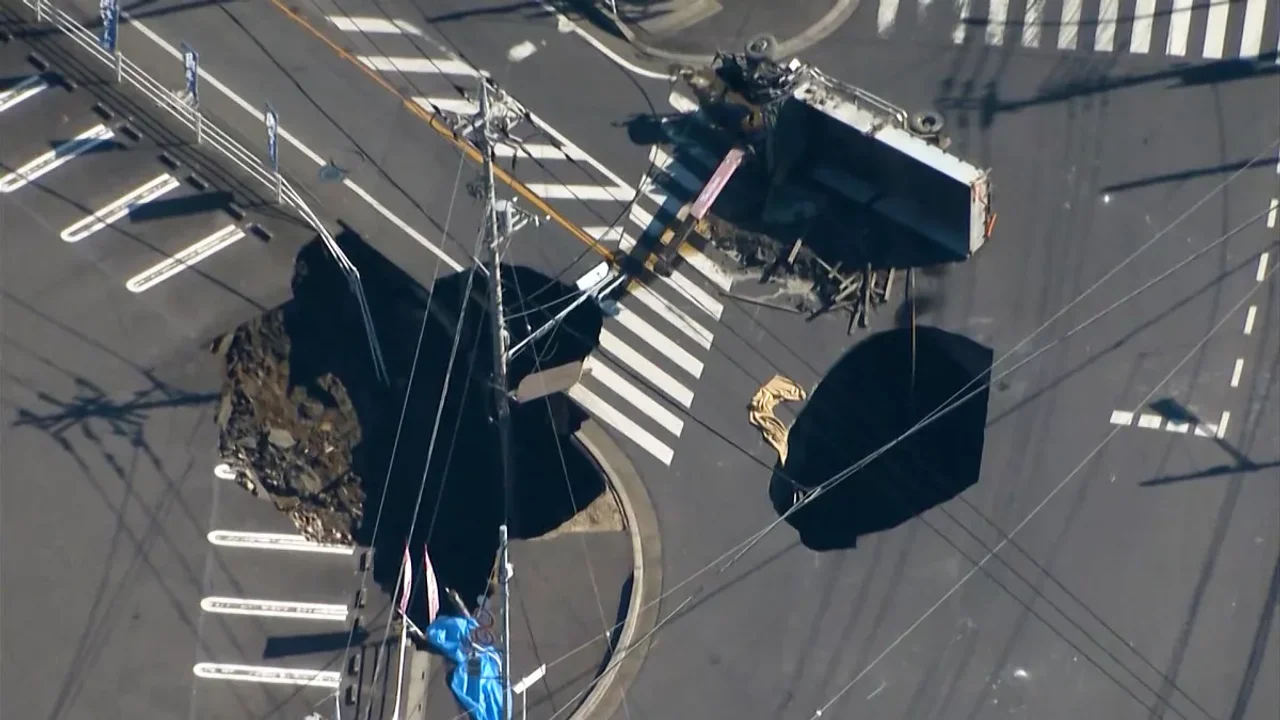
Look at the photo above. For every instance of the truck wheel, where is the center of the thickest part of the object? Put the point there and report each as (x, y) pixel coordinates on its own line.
(926, 123)
(761, 47)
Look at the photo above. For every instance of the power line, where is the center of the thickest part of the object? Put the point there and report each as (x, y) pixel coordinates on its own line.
(734, 553)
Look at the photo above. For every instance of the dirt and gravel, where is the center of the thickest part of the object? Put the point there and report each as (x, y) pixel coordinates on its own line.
(289, 443)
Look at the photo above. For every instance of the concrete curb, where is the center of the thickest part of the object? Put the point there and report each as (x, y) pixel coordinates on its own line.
(840, 11)
(646, 586)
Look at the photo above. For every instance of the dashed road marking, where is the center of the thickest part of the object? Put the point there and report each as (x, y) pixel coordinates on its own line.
(137, 197)
(64, 153)
(1262, 267)
(1152, 421)
(274, 608)
(521, 51)
(1235, 373)
(1249, 318)
(270, 675)
(275, 541)
(185, 258)
(1271, 214)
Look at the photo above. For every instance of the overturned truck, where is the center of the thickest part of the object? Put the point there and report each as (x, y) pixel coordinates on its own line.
(809, 128)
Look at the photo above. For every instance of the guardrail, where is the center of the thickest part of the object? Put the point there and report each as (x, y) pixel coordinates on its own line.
(207, 133)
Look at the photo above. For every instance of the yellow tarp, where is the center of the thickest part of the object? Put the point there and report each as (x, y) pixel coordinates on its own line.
(760, 412)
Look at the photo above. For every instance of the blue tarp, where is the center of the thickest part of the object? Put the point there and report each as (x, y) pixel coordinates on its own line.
(476, 679)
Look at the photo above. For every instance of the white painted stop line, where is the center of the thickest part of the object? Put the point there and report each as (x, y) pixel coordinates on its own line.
(185, 258)
(140, 195)
(274, 608)
(270, 675)
(55, 158)
(275, 541)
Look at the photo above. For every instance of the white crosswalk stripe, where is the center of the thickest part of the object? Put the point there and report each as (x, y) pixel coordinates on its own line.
(656, 338)
(1213, 30)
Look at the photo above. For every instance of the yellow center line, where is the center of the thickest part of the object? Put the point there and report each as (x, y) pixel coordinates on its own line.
(458, 141)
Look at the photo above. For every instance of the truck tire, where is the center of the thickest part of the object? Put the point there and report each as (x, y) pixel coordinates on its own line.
(761, 47)
(926, 123)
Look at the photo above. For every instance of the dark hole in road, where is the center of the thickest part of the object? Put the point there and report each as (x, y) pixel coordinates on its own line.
(461, 499)
(864, 402)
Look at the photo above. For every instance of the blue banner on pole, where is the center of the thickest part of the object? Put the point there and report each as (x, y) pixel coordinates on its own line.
(109, 10)
(191, 71)
(273, 131)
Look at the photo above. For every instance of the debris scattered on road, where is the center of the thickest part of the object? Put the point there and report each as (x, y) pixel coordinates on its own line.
(289, 443)
(760, 412)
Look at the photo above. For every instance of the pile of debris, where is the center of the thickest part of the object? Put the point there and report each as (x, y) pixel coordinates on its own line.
(284, 443)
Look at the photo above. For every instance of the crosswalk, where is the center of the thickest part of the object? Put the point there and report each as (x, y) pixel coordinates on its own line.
(1208, 29)
(655, 339)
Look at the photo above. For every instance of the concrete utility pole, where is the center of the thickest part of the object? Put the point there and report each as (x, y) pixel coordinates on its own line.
(496, 231)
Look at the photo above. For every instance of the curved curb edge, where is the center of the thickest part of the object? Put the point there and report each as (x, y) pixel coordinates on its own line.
(646, 549)
(814, 34)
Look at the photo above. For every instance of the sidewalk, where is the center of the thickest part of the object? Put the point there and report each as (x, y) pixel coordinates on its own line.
(687, 30)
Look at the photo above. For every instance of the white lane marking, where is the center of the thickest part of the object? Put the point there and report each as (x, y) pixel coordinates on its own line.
(1255, 15)
(681, 104)
(1262, 267)
(1104, 33)
(1144, 18)
(593, 277)
(1236, 372)
(1121, 417)
(1215, 29)
(288, 137)
(1031, 23)
(1271, 214)
(605, 412)
(275, 541)
(653, 226)
(565, 25)
(1150, 422)
(560, 191)
(997, 17)
(372, 25)
(641, 328)
(1174, 426)
(962, 10)
(1069, 28)
(64, 153)
(605, 233)
(1222, 425)
(539, 151)
(28, 88)
(626, 355)
(460, 106)
(664, 163)
(672, 314)
(223, 471)
(684, 286)
(886, 14)
(158, 273)
(1249, 318)
(274, 608)
(330, 679)
(521, 51)
(137, 197)
(431, 66)
(1179, 28)
(697, 296)
(623, 388)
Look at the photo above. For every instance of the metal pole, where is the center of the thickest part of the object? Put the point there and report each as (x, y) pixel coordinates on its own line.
(119, 63)
(498, 328)
(199, 127)
(279, 189)
(911, 302)
(39, 10)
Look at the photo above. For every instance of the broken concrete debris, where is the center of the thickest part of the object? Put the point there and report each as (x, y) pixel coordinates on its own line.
(290, 444)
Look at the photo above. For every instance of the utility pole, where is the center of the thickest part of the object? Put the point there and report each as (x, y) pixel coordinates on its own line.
(497, 231)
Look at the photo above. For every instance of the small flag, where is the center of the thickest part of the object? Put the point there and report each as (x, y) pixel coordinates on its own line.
(433, 592)
(406, 585)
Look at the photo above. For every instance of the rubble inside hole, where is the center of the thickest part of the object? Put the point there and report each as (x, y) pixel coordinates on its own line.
(288, 443)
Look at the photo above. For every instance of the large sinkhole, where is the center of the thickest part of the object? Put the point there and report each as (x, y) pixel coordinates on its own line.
(874, 394)
(458, 494)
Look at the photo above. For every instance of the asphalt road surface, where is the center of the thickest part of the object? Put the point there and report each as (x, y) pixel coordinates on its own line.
(136, 580)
